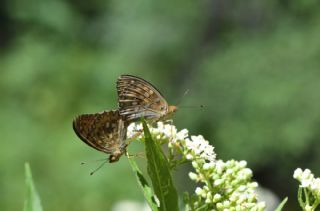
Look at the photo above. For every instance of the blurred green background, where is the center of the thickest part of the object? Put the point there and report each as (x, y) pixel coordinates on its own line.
(255, 65)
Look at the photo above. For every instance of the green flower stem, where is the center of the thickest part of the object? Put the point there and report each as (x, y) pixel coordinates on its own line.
(300, 199)
(202, 207)
(315, 204)
(207, 179)
(306, 196)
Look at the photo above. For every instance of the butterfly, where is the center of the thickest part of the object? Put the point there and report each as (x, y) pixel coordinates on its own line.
(104, 131)
(138, 98)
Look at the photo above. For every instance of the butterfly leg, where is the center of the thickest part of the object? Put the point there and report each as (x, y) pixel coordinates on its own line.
(139, 155)
(135, 136)
(168, 121)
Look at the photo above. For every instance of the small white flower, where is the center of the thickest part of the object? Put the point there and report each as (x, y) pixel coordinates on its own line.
(229, 171)
(242, 163)
(218, 182)
(195, 164)
(193, 176)
(207, 166)
(220, 206)
(206, 188)
(315, 184)
(198, 191)
(306, 174)
(182, 134)
(234, 198)
(226, 203)
(189, 156)
(297, 173)
(253, 185)
(242, 188)
(216, 197)
(306, 183)
(220, 166)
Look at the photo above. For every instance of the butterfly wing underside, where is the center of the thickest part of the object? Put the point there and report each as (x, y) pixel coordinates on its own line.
(103, 131)
(138, 98)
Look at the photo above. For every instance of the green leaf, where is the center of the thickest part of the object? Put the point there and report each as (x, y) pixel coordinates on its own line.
(147, 191)
(159, 172)
(281, 205)
(32, 202)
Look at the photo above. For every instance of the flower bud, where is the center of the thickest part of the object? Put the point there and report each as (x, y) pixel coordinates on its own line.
(198, 191)
(193, 176)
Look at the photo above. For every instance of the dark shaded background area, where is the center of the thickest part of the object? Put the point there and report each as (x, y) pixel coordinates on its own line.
(255, 65)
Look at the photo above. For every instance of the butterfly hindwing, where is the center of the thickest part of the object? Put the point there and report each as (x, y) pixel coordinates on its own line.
(138, 98)
(103, 131)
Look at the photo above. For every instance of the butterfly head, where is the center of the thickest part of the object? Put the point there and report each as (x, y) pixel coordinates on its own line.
(172, 109)
(115, 157)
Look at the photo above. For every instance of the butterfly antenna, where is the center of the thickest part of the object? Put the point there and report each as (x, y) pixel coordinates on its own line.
(92, 161)
(181, 98)
(200, 106)
(99, 167)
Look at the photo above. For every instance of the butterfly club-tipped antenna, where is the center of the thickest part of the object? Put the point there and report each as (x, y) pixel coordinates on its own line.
(99, 167)
(105, 160)
(182, 97)
(192, 106)
(93, 161)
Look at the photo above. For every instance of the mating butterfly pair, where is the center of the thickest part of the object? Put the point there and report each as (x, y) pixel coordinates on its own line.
(106, 131)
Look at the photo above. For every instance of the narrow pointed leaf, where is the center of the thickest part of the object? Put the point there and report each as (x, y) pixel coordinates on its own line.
(281, 205)
(32, 201)
(159, 172)
(146, 189)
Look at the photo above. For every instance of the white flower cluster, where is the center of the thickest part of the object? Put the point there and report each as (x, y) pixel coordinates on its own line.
(198, 148)
(162, 131)
(134, 130)
(227, 186)
(193, 148)
(308, 181)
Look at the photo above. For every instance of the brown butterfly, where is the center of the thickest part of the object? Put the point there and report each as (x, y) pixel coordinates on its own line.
(138, 98)
(104, 131)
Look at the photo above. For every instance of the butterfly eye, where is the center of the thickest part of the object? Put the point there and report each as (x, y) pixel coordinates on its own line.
(162, 107)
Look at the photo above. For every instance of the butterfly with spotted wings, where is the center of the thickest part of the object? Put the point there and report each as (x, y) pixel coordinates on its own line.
(138, 98)
(104, 131)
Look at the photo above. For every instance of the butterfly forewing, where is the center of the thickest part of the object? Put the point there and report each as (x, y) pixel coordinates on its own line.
(138, 98)
(103, 131)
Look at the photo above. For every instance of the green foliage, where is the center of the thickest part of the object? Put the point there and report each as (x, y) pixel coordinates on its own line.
(254, 65)
(32, 201)
(146, 189)
(160, 175)
(281, 205)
